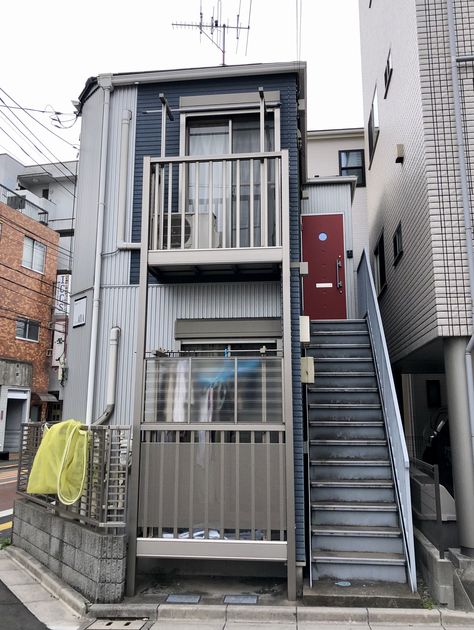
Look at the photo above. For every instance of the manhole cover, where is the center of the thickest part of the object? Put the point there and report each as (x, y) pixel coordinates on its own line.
(183, 599)
(240, 599)
(117, 624)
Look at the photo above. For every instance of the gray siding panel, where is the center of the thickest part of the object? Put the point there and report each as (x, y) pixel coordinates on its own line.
(166, 303)
(116, 264)
(78, 343)
(87, 195)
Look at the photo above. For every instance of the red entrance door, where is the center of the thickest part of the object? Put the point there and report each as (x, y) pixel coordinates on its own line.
(323, 249)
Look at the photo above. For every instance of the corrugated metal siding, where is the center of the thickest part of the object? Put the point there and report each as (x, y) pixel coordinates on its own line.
(166, 303)
(87, 195)
(78, 344)
(116, 265)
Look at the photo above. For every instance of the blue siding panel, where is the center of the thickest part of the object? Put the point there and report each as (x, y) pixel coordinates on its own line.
(148, 142)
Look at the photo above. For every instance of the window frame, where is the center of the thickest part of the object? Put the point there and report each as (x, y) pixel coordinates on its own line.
(387, 74)
(36, 245)
(397, 244)
(373, 127)
(362, 183)
(27, 322)
(380, 265)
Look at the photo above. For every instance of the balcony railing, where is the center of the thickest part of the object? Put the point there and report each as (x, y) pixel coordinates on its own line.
(194, 390)
(20, 203)
(216, 202)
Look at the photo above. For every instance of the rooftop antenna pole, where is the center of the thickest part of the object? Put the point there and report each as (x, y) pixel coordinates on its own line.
(214, 29)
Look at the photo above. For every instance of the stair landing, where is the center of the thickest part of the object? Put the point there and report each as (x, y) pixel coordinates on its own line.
(360, 594)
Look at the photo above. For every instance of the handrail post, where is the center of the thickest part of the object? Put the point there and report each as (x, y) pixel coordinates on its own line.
(439, 515)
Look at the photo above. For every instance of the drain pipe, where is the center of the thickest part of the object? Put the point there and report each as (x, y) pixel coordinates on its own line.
(466, 203)
(105, 82)
(114, 340)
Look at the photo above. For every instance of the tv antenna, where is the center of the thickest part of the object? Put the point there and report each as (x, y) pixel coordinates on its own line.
(215, 29)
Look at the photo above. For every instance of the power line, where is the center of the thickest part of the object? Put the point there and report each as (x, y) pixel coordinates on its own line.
(21, 316)
(23, 286)
(39, 122)
(51, 284)
(40, 141)
(39, 111)
(48, 296)
(31, 158)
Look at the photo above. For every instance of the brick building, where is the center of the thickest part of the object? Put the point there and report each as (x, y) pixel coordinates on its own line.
(28, 256)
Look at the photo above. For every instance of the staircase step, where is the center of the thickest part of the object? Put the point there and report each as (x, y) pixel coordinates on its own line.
(343, 390)
(354, 506)
(352, 483)
(344, 490)
(339, 336)
(350, 513)
(359, 557)
(324, 365)
(321, 395)
(359, 565)
(334, 469)
(338, 324)
(340, 411)
(347, 423)
(339, 350)
(356, 530)
(343, 379)
(348, 442)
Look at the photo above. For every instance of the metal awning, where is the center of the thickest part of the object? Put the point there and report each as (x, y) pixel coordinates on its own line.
(44, 397)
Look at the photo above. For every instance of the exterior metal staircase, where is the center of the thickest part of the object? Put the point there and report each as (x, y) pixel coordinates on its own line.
(354, 515)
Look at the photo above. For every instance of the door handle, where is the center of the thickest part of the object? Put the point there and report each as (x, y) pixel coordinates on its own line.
(338, 279)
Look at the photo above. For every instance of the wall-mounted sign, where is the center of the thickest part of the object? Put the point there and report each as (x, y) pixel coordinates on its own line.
(61, 305)
(59, 338)
(79, 313)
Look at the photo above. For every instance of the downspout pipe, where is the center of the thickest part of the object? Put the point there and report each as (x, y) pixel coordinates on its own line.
(466, 202)
(105, 82)
(114, 340)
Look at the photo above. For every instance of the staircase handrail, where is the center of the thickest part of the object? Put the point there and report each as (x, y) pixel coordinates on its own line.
(368, 308)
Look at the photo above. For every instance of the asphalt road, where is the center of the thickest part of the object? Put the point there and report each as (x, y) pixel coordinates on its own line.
(8, 474)
(15, 616)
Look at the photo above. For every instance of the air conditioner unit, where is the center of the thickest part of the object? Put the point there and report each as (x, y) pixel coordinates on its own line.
(192, 239)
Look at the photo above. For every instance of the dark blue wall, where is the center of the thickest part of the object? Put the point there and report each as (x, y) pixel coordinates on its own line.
(148, 142)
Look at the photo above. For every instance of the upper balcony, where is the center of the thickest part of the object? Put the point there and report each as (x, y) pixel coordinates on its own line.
(218, 211)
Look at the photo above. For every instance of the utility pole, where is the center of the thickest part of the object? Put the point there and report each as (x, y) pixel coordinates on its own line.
(215, 29)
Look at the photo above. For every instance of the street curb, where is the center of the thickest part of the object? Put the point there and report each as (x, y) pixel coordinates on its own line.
(133, 611)
(49, 581)
(331, 614)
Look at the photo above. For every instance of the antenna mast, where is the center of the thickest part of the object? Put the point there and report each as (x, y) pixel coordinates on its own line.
(215, 29)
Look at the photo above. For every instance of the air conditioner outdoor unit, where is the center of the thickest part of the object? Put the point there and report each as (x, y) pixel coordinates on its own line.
(192, 239)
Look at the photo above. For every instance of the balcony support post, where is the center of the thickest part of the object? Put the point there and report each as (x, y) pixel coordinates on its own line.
(287, 382)
(132, 519)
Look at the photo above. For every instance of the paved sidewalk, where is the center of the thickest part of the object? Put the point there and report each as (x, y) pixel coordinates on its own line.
(27, 603)
(39, 591)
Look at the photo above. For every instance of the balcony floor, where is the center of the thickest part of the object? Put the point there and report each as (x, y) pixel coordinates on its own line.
(216, 264)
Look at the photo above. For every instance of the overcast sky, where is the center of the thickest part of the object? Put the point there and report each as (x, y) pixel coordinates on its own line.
(50, 48)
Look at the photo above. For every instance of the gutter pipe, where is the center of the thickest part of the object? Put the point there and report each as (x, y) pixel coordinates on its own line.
(105, 82)
(466, 201)
(114, 340)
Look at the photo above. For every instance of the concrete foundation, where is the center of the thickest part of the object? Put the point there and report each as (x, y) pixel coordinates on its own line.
(437, 573)
(91, 562)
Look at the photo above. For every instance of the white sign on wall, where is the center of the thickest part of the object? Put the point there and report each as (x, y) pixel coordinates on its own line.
(59, 338)
(61, 305)
(79, 314)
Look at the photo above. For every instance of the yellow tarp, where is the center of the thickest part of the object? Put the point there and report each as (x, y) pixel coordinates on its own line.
(60, 463)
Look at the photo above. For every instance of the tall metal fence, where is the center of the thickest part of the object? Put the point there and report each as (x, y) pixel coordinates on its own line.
(103, 504)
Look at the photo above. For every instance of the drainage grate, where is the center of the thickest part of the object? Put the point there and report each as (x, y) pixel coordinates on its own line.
(118, 624)
(240, 599)
(183, 599)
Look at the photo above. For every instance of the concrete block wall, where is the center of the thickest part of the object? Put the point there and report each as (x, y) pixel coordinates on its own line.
(91, 562)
